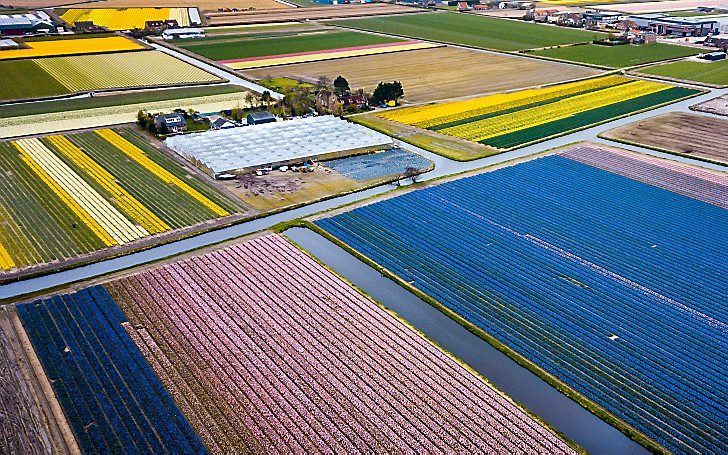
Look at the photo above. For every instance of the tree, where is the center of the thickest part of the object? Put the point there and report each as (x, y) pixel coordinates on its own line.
(266, 98)
(250, 100)
(341, 86)
(323, 83)
(387, 91)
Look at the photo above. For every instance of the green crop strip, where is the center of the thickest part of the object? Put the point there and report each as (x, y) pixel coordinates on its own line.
(583, 119)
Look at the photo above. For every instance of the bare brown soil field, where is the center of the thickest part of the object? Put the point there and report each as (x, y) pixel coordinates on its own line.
(30, 423)
(718, 106)
(299, 14)
(203, 5)
(692, 135)
(435, 74)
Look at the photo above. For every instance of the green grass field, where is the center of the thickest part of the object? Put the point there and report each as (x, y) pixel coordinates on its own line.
(617, 56)
(47, 107)
(708, 72)
(245, 46)
(24, 79)
(475, 31)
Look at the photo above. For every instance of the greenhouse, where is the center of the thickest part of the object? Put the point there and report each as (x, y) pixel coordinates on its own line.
(278, 143)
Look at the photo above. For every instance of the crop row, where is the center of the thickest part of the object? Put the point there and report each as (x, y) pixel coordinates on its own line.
(37, 225)
(588, 117)
(305, 363)
(108, 183)
(110, 225)
(702, 184)
(498, 125)
(437, 116)
(22, 426)
(109, 394)
(69, 195)
(80, 73)
(605, 282)
(138, 155)
(71, 46)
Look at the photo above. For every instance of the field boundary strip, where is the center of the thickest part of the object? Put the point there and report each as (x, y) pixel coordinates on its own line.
(331, 54)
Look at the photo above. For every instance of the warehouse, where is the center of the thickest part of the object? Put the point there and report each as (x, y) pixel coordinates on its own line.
(25, 24)
(280, 143)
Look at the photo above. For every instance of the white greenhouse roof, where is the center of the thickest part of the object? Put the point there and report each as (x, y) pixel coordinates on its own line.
(258, 145)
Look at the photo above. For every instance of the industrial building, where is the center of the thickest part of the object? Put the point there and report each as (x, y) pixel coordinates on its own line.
(280, 143)
(36, 23)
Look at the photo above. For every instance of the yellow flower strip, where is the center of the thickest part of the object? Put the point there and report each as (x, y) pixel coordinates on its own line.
(180, 15)
(85, 217)
(508, 123)
(138, 155)
(113, 222)
(437, 114)
(327, 55)
(71, 46)
(117, 19)
(6, 262)
(128, 203)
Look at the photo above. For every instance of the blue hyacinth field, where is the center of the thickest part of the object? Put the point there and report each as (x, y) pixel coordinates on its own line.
(606, 269)
(110, 396)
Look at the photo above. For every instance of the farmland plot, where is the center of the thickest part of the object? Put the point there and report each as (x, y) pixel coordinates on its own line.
(53, 76)
(506, 121)
(126, 18)
(265, 16)
(597, 266)
(472, 30)
(617, 56)
(315, 370)
(55, 47)
(69, 196)
(696, 136)
(110, 395)
(713, 73)
(28, 424)
(459, 72)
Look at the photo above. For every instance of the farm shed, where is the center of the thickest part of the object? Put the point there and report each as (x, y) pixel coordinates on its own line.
(25, 24)
(278, 143)
(684, 26)
(182, 33)
(713, 56)
(259, 118)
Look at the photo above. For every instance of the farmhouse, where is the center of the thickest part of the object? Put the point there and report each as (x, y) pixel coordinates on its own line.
(25, 24)
(170, 123)
(279, 143)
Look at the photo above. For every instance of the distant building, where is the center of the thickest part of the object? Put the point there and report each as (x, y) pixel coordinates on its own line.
(182, 33)
(601, 19)
(644, 20)
(258, 118)
(36, 23)
(171, 123)
(684, 26)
